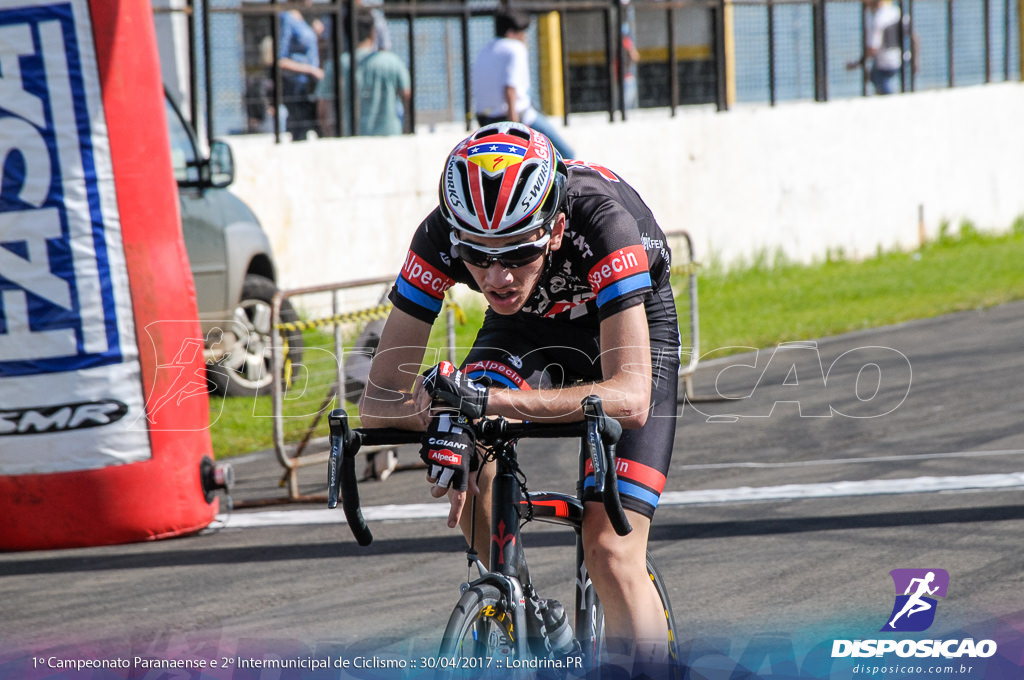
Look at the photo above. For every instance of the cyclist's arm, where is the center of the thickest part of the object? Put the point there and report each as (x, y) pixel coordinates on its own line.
(387, 400)
(625, 389)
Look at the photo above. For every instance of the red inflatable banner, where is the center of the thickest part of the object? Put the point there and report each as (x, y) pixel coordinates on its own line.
(103, 422)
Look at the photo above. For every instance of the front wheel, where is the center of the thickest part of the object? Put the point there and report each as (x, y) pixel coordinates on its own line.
(479, 640)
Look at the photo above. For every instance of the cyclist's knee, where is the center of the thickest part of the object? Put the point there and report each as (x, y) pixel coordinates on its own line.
(608, 555)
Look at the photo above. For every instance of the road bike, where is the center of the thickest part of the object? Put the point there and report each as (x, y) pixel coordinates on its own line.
(500, 621)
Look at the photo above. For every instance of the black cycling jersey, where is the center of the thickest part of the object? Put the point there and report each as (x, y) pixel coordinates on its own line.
(613, 256)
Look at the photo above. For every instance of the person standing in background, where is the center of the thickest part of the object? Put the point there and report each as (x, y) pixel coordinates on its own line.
(298, 57)
(501, 80)
(630, 57)
(382, 79)
(883, 45)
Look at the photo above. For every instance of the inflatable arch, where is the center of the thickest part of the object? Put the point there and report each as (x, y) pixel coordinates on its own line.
(103, 419)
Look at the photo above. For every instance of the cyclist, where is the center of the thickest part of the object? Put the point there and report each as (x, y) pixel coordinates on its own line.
(575, 271)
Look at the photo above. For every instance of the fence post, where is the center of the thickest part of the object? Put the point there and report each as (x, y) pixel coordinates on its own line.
(820, 53)
(1006, 40)
(552, 88)
(950, 64)
(410, 115)
(1020, 38)
(566, 98)
(770, 10)
(353, 86)
(207, 72)
(275, 73)
(987, 14)
(337, 41)
(721, 67)
(673, 62)
(467, 86)
(610, 31)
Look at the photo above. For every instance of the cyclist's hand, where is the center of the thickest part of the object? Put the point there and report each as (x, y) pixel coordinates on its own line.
(448, 447)
(448, 384)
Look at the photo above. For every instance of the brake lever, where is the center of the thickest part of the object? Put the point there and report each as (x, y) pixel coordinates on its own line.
(602, 435)
(341, 474)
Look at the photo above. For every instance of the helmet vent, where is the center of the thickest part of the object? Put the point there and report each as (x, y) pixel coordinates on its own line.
(491, 187)
(518, 132)
(517, 193)
(549, 206)
(464, 179)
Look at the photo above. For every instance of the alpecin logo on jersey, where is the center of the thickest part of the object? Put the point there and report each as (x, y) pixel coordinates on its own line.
(914, 608)
(496, 157)
(495, 370)
(620, 265)
(425, 277)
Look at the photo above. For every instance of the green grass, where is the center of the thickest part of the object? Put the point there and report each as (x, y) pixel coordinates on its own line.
(767, 302)
(770, 300)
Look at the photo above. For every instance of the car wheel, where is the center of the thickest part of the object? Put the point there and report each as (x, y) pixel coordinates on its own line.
(244, 369)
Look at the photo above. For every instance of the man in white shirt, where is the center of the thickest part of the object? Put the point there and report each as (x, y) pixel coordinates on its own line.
(883, 45)
(501, 80)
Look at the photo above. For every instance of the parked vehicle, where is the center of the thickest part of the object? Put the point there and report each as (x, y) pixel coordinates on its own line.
(232, 265)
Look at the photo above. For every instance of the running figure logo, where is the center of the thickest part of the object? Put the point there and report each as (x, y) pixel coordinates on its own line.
(916, 589)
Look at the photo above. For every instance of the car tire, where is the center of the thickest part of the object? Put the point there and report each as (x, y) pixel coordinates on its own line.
(245, 368)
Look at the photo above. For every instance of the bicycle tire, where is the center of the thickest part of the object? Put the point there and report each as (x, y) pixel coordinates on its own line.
(478, 640)
(670, 621)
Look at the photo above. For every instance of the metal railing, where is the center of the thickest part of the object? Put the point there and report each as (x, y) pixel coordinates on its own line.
(333, 318)
(684, 272)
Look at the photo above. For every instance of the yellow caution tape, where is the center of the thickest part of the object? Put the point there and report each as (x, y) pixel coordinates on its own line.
(684, 269)
(459, 312)
(381, 311)
(372, 314)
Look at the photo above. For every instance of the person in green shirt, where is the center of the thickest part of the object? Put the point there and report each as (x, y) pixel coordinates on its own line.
(382, 81)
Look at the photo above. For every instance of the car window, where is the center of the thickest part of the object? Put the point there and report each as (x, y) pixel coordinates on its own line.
(183, 152)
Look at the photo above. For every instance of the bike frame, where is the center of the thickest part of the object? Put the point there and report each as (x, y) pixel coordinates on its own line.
(508, 572)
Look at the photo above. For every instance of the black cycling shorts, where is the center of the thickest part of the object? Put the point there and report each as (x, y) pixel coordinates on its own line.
(524, 351)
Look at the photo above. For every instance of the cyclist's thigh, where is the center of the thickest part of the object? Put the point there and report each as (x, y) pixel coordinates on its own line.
(644, 454)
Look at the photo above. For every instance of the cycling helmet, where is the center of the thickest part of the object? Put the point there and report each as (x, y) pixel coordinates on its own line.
(504, 179)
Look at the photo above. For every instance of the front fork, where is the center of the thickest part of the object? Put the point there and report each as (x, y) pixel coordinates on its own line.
(588, 620)
(508, 565)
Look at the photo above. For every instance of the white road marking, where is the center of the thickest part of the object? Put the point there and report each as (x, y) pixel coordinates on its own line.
(273, 518)
(845, 461)
(874, 487)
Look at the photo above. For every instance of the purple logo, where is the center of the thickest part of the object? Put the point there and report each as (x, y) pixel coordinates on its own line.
(916, 590)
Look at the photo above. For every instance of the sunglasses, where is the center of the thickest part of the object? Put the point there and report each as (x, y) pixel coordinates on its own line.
(509, 257)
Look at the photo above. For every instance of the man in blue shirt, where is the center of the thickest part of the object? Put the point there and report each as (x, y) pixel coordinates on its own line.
(298, 57)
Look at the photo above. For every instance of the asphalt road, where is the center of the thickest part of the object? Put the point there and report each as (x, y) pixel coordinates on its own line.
(802, 476)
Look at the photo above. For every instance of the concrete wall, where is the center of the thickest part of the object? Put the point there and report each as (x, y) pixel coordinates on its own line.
(805, 178)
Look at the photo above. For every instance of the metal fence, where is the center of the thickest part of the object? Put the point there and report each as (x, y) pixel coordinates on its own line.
(340, 326)
(688, 52)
